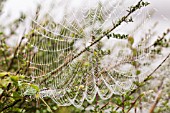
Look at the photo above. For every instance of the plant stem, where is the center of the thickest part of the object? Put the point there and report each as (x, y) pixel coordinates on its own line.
(158, 97)
(15, 53)
(147, 78)
(133, 104)
(6, 62)
(11, 105)
(123, 19)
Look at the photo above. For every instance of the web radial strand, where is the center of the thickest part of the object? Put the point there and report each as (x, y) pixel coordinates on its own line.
(52, 43)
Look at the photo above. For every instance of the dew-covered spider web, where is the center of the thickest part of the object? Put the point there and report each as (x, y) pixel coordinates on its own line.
(65, 70)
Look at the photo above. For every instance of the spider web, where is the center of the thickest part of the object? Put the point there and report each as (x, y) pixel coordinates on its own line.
(52, 43)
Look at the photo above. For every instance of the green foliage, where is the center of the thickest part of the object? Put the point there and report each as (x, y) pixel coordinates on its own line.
(11, 90)
(19, 94)
(117, 36)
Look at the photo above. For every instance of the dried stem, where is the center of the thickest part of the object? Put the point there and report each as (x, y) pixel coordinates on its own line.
(3, 52)
(15, 53)
(158, 97)
(11, 105)
(133, 104)
(123, 104)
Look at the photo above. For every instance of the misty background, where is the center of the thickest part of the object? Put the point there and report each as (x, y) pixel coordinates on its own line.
(17, 6)
(14, 8)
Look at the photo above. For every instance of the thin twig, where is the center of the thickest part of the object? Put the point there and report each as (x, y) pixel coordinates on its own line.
(147, 78)
(158, 97)
(105, 105)
(133, 104)
(3, 52)
(15, 53)
(28, 65)
(123, 104)
(123, 19)
(11, 105)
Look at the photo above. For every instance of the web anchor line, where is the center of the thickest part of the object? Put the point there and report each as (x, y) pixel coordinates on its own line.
(70, 74)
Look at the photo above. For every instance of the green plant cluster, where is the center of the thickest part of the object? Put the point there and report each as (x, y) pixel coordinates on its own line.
(19, 94)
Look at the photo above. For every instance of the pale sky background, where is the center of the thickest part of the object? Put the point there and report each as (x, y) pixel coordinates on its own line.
(162, 6)
(15, 7)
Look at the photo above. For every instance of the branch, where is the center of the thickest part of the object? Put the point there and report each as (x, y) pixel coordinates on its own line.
(11, 105)
(123, 19)
(158, 97)
(104, 105)
(133, 104)
(148, 77)
(3, 52)
(15, 53)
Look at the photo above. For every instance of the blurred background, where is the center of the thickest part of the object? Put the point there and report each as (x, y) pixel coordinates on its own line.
(17, 6)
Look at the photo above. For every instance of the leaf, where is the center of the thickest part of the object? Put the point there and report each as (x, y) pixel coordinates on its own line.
(16, 95)
(95, 53)
(1, 91)
(35, 87)
(4, 82)
(37, 96)
(136, 83)
(14, 78)
(3, 74)
(131, 40)
(134, 52)
(21, 76)
(54, 108)
(138, 72)
(30, 90)
(86, 64)
(148, 78)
